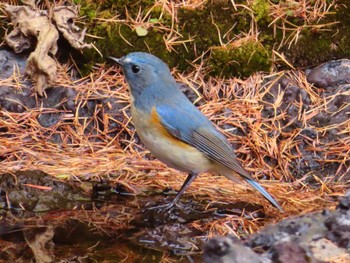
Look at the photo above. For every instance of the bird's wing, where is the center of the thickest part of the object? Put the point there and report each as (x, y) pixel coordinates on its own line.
(189, 125)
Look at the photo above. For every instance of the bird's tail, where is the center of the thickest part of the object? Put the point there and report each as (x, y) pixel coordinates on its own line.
(229, 174)
(262, 190)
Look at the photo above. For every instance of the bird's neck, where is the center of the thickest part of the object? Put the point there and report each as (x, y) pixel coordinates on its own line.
(150, 97)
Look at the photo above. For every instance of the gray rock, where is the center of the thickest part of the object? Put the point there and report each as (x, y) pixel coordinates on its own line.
(227, 250)
(330, 75)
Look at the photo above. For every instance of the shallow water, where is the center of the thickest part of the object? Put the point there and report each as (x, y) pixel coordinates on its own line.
(50, 220)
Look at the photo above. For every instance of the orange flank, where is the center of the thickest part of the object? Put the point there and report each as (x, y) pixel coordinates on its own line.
(155, 121)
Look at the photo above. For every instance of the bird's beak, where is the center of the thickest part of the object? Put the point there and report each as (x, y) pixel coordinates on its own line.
(118, 60)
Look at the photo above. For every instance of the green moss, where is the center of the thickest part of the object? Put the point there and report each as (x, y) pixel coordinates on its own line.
(196, 24)
(206, 26)
(317, 46)
(87, 8)
(240, 61)
(93, 8)
(261, 9)
(209, 27)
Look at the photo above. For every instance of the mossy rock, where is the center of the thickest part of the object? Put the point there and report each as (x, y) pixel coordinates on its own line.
(196, 24)
(207, 25)
(316, 46)
(239, 61)
(212, 27)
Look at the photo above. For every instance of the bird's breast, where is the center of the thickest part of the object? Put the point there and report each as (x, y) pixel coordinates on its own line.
(167, 148)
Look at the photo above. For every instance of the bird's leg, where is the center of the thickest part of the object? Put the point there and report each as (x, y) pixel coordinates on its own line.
(185, 185)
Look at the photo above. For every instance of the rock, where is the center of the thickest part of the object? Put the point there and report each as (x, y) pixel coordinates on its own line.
(11, 62)
(282, 95)
(339, 226)
(36, 191)
(285, 252)
(330, 75)
(60, 104)
(314, 237)
(227, 250)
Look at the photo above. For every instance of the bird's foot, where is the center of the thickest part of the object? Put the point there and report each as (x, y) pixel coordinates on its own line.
(165, 207)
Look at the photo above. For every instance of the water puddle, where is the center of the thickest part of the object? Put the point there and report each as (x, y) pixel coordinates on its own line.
(48, 220)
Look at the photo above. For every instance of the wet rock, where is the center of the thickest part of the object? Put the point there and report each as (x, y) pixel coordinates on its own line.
(309, 132)
(10, 62)
(61, 102)
(190, 93)
(339, 226)
(285, 106)
(330, 74)
(314, 237)
(160, 228)
(337, 108)
(281, 96)
(14, 100)
(287, 251)
(36, 191)
(61, 99)
(117, 118)
(239, 131)
(285, 87)
(229, 250)
(298, 228)
(11, 98)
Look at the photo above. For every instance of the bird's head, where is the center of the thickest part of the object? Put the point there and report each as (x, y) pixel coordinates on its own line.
(144, 71)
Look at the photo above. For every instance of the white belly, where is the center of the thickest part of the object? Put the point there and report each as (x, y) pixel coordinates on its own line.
(184, 159)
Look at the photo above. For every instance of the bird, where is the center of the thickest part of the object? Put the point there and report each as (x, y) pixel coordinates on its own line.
(173, 129)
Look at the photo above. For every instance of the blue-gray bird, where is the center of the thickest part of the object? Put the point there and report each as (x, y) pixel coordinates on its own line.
(173, 129)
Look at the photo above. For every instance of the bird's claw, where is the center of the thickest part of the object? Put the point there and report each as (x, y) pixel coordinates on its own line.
(165, 207)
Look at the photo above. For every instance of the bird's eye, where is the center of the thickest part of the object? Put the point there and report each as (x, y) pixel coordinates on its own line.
(135, 68)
